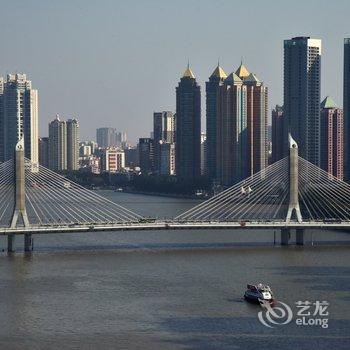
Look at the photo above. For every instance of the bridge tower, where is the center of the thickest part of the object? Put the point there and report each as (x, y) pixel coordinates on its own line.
(19, 198)
(294, 207)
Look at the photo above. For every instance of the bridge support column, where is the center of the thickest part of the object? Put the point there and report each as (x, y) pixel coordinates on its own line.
(11, 243)
(299, 236)
(294, 207)
(28, 242)
(20, 196)
(285, 236)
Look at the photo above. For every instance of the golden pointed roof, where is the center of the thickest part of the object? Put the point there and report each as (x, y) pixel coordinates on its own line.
(188, 73)
(219, 73)
(242, 71)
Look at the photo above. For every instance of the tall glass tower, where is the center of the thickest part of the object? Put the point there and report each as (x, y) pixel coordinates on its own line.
(302, 89)
(212, 92)
(188, 127)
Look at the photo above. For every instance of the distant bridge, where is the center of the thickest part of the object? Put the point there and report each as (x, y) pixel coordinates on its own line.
(291, 194)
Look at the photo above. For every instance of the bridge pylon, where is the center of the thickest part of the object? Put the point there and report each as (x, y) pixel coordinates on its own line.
(294, 207)
(19, 197)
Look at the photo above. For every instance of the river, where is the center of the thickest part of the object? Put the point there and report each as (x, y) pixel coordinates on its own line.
(170, 289)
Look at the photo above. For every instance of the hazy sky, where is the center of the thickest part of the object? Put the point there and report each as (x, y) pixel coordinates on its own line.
(112, 63)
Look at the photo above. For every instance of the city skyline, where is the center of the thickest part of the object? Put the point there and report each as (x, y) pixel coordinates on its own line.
(154, 72)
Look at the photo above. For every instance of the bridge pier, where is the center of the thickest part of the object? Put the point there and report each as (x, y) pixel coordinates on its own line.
(299, 236)
(11, 243)
(28, 242)
(285, 236)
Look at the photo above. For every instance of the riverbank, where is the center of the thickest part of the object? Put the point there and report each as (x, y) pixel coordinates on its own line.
(170, 195)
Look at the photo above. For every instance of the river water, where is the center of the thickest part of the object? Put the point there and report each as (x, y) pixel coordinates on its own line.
(171, 289)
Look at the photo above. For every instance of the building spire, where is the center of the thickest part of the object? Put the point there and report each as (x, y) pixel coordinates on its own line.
(188, 72)
(242, 71)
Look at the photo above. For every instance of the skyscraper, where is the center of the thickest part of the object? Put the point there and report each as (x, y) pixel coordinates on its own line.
(257, 104)
(18, 117)
(346, 102)
(302, 88)
(106, 137)
(277, 133)
(163, 132)
(44, 151)
(146, 155)
(232, 153)
(58, 144)
(72, 144)
(188, 127)
(212, 92)
(332, 138)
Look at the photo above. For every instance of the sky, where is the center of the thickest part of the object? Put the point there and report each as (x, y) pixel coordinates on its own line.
(113, 63)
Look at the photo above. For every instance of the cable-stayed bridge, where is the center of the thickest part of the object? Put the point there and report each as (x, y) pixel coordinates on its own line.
(289, 194)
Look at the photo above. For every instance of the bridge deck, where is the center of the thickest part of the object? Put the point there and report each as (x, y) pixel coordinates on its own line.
(171, 225)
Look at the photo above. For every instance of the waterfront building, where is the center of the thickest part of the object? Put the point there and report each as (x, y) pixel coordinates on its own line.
(212, 93)
(131, 157)
(112, 160)
(167, 158)
(277, 133)
(44, 151)
(232, 131)
(346, 102)
(58, 145)
(332, 138)
(146, 155)
(91, 164)
(188, 127)
(302, 88)
(257, 109)
(72, 144)
(18, 117)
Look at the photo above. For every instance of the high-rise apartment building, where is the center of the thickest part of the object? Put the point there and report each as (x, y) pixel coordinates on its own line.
(44, 155)
(332, 138)
(18, 117)
(58, 145)
(302, 88)
(212, 93)
(106, 137)
(167, 158)
(232, 156)
(112, 160)
(146, 155)
(277, 133)
(236, 125)
(163, 132)
(346, 102)
(188, 127)
(72, 144)
(257, 109)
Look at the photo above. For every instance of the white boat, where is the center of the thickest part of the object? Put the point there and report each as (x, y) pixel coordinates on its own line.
(256, 293)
